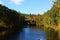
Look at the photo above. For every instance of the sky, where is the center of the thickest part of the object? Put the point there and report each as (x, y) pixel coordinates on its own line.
(28, 6)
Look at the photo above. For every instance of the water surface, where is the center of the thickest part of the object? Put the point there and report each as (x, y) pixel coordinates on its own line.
(29, 34)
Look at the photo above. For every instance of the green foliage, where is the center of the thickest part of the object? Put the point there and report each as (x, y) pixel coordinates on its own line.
(51, 17)
(13, 19)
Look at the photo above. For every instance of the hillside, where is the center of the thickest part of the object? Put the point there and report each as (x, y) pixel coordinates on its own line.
(10, 20)
(51, 17)
(52, 21)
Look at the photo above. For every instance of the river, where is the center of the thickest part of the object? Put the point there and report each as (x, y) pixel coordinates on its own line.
(29, 34)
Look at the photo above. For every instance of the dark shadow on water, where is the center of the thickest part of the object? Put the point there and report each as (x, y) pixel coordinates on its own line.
(27, 34)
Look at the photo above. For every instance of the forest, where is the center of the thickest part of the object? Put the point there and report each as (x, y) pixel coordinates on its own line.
(13, 20)
(50, 21)
(10, 21)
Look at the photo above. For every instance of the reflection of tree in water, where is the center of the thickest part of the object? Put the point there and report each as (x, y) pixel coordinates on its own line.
(51, 34)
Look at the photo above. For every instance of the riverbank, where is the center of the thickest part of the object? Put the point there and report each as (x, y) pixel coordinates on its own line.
(52, 33)
(10, 21)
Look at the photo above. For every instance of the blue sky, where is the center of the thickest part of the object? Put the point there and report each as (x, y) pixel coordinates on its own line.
(28, 6)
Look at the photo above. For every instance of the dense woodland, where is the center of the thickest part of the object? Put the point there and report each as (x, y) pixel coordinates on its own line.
(50, 21)
(49, 18)
(15, 20)
(52, 16)
(10, 20)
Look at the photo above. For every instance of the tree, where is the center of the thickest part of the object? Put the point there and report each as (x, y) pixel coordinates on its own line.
(52, 16)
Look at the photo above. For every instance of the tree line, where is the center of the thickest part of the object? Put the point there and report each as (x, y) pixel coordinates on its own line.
(10, 19)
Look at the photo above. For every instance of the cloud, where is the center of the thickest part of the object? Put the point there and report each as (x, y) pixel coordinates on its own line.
(1, 2)
(17, 2)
